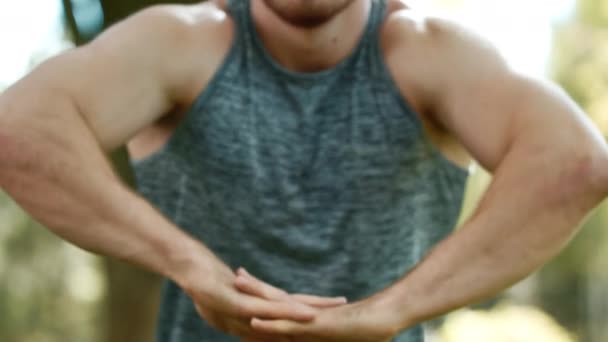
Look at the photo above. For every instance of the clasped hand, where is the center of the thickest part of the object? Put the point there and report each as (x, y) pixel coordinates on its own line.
(244, 306)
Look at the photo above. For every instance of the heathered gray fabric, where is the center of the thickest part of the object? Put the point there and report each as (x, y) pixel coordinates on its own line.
(321, 183)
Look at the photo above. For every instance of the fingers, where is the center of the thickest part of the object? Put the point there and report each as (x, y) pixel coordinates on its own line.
(243, 329)
(238, 327)
(281, 327)
(257, 307)
(249, 284)
(255, 287)
(319, 302)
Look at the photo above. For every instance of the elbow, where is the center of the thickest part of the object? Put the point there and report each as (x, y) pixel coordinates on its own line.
(8, 131)
(597, 159)
(15, 150)
(10, 157)
(7, 141)
(586, 174)
(601, 174)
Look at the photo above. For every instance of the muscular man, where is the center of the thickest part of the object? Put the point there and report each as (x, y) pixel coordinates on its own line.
(319, 144)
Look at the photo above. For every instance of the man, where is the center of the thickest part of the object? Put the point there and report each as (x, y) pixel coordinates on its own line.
(319, 145)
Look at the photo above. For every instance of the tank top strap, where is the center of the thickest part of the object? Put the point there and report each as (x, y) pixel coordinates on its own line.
(376, 19)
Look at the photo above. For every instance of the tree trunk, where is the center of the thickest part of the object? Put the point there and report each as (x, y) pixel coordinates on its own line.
(132, 299)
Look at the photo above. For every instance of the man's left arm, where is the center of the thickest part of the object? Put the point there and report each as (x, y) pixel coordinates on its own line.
(550, 169)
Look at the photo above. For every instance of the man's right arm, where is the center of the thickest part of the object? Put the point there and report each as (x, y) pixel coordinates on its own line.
(57, 124)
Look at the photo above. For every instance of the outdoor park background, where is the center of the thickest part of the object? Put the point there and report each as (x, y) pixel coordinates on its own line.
(51, 291)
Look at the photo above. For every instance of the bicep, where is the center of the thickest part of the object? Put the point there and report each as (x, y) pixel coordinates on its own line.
(118, 83)
(493, 109)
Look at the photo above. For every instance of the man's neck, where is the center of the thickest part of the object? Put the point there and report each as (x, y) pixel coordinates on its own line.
(311, 49)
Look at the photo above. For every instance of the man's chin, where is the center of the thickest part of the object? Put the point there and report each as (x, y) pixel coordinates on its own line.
(307, 23)
(307, 18)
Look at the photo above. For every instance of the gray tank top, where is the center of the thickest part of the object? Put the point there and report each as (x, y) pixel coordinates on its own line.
(321, 183)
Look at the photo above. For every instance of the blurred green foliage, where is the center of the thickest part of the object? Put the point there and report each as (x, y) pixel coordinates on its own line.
(50, 290)
(574, 287)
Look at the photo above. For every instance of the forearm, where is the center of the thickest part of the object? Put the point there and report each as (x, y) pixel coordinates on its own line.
(530, 212)
(53, 167)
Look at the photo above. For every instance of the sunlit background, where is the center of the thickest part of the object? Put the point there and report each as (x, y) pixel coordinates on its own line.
(52, 291)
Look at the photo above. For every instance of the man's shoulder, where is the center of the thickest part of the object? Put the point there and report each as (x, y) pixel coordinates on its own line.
(407, 40)
(203, 27)
(205, 18)
(193, 39)
(410, 33)
(407, 26)
(422, 51)
(166, 29)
